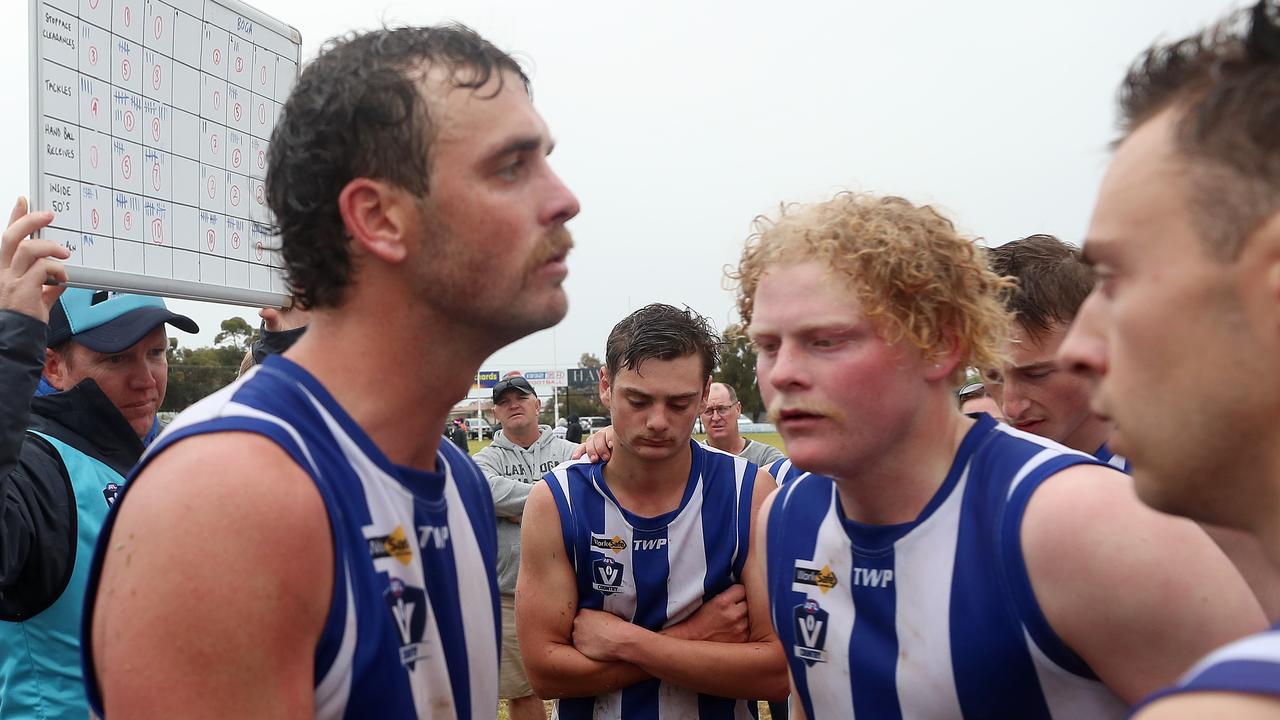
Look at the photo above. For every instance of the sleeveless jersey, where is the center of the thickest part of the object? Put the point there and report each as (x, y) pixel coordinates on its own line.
(934, 618)
(655, 571)
(40, 656)
(1251, 666)
(413, 625)
(784, 472)
(1118, 462)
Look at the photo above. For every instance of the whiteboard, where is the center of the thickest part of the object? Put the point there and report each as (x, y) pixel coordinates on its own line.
(150, 125)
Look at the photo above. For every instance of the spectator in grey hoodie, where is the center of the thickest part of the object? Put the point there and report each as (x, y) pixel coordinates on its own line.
(521, 453)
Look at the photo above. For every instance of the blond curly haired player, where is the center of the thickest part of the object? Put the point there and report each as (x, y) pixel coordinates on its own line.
(947, 566)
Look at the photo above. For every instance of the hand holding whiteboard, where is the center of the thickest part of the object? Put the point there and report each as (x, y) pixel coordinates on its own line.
(27, 264)
(151, 121)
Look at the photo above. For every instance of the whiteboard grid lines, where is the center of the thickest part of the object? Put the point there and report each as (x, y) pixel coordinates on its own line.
(162, 178)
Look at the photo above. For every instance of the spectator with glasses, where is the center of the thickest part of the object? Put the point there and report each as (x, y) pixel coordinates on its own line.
(720, 420)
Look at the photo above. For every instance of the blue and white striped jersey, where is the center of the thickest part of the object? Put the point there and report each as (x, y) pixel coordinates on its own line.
(934, 618)
(1118, 462)
(657, 571)
(784, 472)
(1251, 665)
(413, 625)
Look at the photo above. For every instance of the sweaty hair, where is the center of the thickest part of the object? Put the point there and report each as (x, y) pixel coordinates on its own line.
(912, 273)
(1224, 85)
(661, 332)
(358, 111)
(1053, 280)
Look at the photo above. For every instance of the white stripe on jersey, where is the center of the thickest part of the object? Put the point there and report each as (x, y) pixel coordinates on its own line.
(1263, 647)
(1051, 450)
(683, 540)
(739, 477)
(924, 564)
(390, 506)
(1039, 459)
(558, 474)
(623, 602)
(839, 622)
(929, 577)
(1250, 666)
(1040, 440)
(334, 689)
(481, 638)
(247, 411)
(220, 404)
(1067, 694)
(688, 566)
(783, 467)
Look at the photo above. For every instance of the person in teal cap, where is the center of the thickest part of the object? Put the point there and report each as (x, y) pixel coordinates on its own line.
(82, 374)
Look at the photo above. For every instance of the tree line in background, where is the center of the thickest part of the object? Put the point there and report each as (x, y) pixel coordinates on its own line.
(195, 373)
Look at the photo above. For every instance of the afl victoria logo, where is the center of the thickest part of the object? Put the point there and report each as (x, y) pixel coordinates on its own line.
(811, 632)
(606, 575)
(408, 606)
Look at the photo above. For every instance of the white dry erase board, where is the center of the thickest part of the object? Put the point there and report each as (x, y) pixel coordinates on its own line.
(150, 121)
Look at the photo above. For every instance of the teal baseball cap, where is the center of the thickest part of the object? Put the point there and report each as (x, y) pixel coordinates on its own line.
(109, 322)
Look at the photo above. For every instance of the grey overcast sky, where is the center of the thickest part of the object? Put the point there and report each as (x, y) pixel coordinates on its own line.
(678, 122)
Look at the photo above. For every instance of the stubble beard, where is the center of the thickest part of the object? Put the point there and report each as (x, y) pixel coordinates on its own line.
(452, 287)
(558, 242)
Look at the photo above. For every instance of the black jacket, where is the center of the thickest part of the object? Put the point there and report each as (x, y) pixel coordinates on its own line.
(573, 431)
(459, 437)
(38, 510)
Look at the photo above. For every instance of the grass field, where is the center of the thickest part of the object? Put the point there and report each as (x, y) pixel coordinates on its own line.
(773, 439)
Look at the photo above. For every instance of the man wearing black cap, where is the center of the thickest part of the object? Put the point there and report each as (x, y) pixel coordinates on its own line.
(521, 453)
(73, 419)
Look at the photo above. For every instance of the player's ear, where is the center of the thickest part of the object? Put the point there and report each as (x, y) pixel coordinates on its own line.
(944, 358)
(605, 388)
(378, 217)
(1263, 247)
(1260, 261)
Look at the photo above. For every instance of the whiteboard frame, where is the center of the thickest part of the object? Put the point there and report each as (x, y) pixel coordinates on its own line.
(101, 278)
